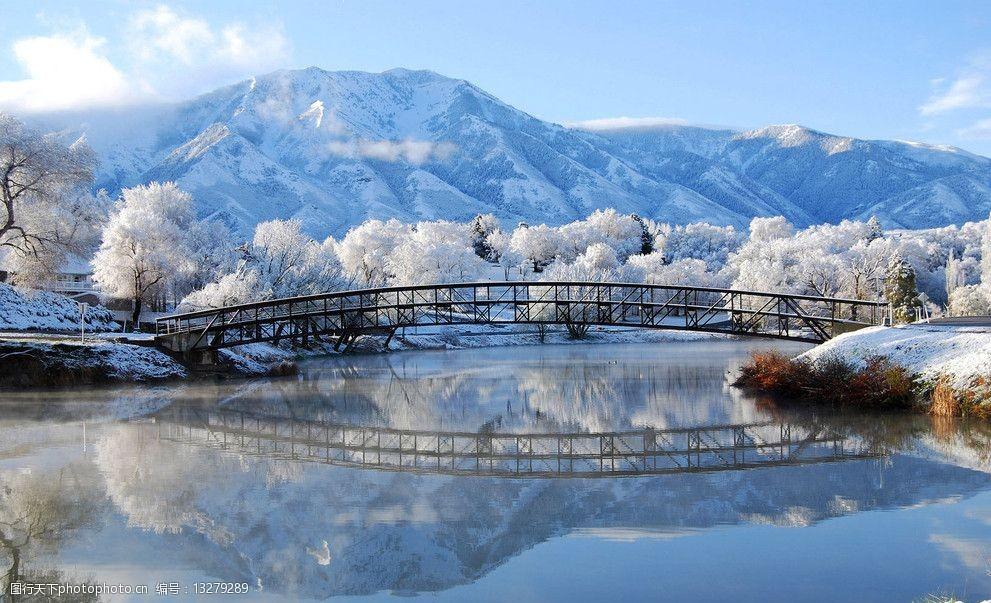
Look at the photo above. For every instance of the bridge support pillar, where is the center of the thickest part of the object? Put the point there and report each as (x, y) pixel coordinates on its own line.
(200, 358)
(389, 338)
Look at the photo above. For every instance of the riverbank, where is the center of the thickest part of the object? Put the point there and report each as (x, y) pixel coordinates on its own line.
(938, 369)
(28, 363)
(58, 360)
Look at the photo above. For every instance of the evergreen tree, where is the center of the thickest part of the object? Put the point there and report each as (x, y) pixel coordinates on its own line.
(874, 230)
(481, 227)
(900, 291)
(646, 239)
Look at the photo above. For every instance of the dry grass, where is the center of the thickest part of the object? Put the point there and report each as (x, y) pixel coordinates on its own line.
(943, 400)
(879, 384)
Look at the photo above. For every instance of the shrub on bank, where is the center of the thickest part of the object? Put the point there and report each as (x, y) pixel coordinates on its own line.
(878, 384)
(948, 401)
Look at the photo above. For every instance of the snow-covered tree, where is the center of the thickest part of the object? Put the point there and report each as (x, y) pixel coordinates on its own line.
(537, 245)
(624, 233)
(970, 300)
(652, 269)
(874, 230)
(769, 229)
(646, 235)
(280, 261)
(364, 249)
(481, 227)
(711, 244)
(436, 252)
(821, 274)
(46, 211)
(500, 252)
(145, 248)
(954, 275)
(599, 263)
(900, 290)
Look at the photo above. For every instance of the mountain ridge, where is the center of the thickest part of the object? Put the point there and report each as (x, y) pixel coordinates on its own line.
(334, 148)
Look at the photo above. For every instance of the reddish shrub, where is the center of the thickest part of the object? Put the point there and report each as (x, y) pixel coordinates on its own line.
(879, 384)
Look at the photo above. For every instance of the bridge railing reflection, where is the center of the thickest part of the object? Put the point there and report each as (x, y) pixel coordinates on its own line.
(635, 452)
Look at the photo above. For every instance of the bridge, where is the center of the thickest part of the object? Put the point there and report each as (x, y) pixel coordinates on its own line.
(646, 451)
(346, 315)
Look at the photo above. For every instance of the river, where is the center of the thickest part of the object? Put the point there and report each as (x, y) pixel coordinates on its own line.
(546, 473)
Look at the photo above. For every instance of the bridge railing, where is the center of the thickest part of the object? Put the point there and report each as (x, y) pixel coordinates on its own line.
(631, 304)
(644, 451)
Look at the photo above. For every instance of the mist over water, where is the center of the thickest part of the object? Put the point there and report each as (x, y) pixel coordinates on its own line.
(486, 475)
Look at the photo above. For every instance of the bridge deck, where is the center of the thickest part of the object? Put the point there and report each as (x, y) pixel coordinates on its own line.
(347, 314)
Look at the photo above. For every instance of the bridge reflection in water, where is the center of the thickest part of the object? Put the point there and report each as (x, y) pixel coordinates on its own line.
(635, 452)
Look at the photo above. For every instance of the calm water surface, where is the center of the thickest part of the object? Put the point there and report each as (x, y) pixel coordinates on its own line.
(555, 473)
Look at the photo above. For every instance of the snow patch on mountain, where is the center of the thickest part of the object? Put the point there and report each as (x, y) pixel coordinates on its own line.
(337, 148)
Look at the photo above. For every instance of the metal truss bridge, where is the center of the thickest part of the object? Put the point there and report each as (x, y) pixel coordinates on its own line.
(620, 453)
(346, 315)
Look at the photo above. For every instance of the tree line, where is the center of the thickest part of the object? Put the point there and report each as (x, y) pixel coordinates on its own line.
(150, 247)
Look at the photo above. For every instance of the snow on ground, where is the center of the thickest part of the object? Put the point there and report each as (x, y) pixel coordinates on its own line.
(962, 353)
(107, 361)
(42, 310)
(254, 358)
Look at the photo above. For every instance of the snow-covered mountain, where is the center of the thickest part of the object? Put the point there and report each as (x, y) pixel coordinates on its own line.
(336, 148)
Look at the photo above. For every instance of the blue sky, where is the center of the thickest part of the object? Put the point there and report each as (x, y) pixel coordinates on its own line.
(908, 70)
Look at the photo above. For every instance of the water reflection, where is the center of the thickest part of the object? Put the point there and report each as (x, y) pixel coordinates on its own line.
(646, 451)
(280, 483)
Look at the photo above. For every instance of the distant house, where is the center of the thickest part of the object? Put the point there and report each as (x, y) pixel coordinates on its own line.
(75, 280)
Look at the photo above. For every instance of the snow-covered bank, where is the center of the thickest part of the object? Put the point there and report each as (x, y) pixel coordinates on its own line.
(928, 351)
(45, 311)
(69, 363)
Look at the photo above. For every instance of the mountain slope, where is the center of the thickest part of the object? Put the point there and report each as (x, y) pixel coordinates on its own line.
(336, 148)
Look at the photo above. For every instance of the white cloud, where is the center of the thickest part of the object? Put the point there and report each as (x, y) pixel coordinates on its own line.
(162, 30)
(979, 130)
(159, 54)
(620, 123)
(969, 90)
(416, 152)
(161, 33)
(63, 72)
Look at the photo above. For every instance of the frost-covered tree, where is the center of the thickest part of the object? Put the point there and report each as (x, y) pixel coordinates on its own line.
(537, 245)
(970, 300)
(821, 274)
(46, 211)
(711, 244)
(145, 248)
(364, 249)
(769, 229)
(436, 252)
(622, 232)
(599, 263)
(874, 230)
(651, 268)
(280, 261)
(500, 252)
(954, 275)
(900, 290)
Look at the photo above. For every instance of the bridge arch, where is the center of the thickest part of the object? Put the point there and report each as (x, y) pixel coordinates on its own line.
(349, 314)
